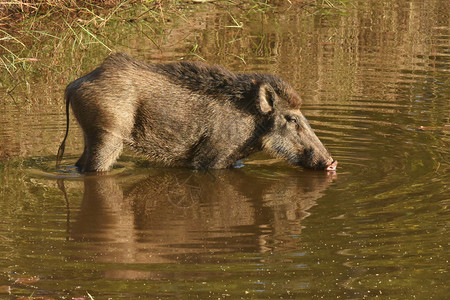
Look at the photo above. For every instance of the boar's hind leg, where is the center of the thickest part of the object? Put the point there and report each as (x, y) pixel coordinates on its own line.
(82, 160)
(100, 152)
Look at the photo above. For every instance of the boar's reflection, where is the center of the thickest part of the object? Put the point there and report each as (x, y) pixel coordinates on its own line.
(192, 216)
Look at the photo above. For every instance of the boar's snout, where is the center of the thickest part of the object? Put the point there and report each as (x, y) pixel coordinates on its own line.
(332, 166)
(318, 159)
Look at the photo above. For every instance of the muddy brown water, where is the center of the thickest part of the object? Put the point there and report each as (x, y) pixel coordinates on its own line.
(374, 77)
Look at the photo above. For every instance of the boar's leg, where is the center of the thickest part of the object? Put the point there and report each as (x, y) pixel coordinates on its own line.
(101, 151)
(82, 160)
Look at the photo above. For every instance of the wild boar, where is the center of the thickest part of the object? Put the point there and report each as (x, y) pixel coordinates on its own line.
(188, 114)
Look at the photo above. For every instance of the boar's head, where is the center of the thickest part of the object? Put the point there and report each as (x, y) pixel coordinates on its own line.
(287, 133)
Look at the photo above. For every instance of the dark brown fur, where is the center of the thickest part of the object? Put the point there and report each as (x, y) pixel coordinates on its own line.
(188, 114)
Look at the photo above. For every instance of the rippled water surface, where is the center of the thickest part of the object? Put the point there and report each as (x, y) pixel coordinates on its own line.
(374, 77)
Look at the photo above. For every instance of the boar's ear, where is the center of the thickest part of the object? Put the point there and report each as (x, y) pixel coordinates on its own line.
(266, 98)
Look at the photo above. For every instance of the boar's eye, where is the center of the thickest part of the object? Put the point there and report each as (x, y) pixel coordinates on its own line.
(292, 119)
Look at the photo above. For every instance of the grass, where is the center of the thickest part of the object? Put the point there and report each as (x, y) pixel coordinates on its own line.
(31, 29)
(89, 295)
(26, 18)
(24, 24)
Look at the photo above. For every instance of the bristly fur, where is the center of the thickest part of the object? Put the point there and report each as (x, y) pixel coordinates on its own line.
(188, 114)
(213, 80)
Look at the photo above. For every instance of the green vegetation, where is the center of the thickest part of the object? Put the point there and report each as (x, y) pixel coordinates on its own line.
(35, 36)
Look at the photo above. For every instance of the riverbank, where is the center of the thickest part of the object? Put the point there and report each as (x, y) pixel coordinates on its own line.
(14, 12)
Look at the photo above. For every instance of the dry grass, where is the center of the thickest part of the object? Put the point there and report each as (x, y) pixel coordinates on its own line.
(32, 29)
(14, 12)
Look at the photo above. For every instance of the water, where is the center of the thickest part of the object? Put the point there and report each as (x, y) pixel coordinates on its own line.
(374, 77)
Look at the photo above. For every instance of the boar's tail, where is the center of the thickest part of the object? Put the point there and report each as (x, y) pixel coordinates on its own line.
(60, 154)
